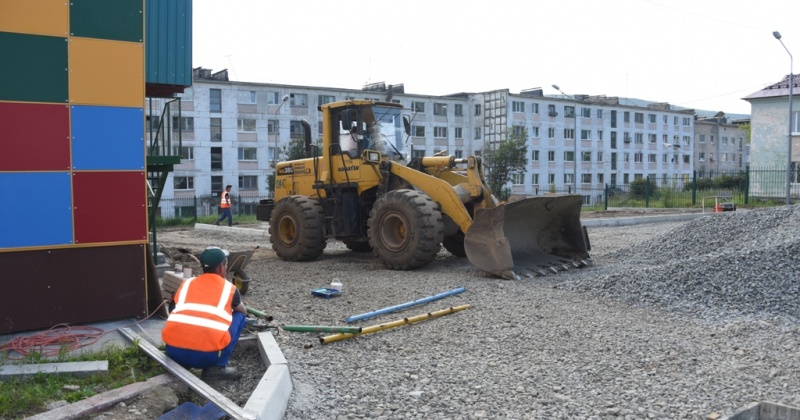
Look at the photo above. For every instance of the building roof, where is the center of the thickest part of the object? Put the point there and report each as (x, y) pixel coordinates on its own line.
(776, 89)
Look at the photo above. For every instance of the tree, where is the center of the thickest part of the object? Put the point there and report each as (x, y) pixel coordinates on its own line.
(509, 158)
(296, 149)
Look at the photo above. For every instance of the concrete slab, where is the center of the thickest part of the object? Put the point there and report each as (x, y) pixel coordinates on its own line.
(67, 368)
(766, 411)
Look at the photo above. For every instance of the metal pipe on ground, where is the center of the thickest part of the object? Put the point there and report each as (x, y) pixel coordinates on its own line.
(390, 309)
(321, 328)
(394, 324)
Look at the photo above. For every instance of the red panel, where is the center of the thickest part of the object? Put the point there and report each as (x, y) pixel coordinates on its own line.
(109, 206)
(35, 137)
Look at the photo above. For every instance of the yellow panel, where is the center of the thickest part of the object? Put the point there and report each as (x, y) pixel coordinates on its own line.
(103, 72)
(40, 17)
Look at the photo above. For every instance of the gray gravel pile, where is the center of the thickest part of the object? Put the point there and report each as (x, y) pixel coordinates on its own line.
(673, 321)
(731, 263)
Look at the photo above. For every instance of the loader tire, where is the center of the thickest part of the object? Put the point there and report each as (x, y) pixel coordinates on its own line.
(358, 246)
(405, 229)
(295, 229)
(455, 244)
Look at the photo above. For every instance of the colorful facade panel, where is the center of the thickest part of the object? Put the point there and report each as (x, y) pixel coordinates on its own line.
(41, 213)
(105, 72)
(38, 134)
(35, 68)
(109, 207)
(27, 17)
(107, 138)
(120, 20)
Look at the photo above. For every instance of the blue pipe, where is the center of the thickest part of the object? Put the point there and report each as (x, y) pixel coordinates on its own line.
(390, 309)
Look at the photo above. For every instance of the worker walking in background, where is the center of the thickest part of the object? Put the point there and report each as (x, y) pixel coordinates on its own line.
(225, 203)
(208, 318)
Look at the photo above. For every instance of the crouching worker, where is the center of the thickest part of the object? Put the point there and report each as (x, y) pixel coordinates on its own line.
(208, 319)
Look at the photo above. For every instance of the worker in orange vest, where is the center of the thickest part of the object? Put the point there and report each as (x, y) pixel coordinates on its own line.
(207, 320)
(225, 203)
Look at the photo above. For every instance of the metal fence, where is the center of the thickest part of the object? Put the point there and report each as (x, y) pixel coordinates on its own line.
(701, 189)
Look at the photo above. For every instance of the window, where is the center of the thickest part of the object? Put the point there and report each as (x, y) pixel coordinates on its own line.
(248, 182)
(325, 99)
(551, 133)
(551, 110)
(626, 117)
(183, 183)
(599, 156)
(586, 178)
(534, 132)
(685, 158)
(477, 109)
(664, 139)
(586, 134)
(586, 112)
(638, 138)
(518, 178)
(711, 139)
(638, 118)
(600, 179)
(298, 99)
(272, 126)
(216, 185)
(569, 111)
(216, 129)
(702, 138)
(535, 155)
(247, 153)
(215, 100)
(569, 133)
(534, 179)
(551, 178)
(796, 122)
(638, 157)
(569, 156)
(296, 129)
(439, 108)
(652, 138)
(665, 159)
(272, 98)
(586, 156)
(626, 157)
(247, 125)
(665, 119)
(551, 156)
(419, 107)
(599, 114)
(652, 118)
(458, 110)
(477, 133)
(440, 132)
(724, 140)
(687, 121)
(710, 157)
(216, 158)
(457, 132)
(599, 134)
(185, 124)
(613, 119)
(651, 158)
(418, 130)
(568, 178)
(686, 140)
(517, 130)
(418, 153)
(246, 97)
(626, 137)
(517, 106)
(534, 108)
(185, 152)
(723, 157)
(675, 121)
(152, 122)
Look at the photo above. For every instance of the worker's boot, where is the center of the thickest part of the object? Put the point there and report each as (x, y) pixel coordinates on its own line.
(219, 373)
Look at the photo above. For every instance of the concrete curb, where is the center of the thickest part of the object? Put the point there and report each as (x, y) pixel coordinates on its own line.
(628, 221)
(271, 397)
(233, 229)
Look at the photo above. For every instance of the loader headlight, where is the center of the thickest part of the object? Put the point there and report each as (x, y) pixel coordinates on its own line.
(373, 157)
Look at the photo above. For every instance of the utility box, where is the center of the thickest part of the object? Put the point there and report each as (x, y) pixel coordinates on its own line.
(766, 411)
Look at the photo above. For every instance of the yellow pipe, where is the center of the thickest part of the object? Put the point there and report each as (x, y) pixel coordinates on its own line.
(393, 324)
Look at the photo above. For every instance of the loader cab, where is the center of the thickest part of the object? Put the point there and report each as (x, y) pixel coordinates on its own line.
(373, 127)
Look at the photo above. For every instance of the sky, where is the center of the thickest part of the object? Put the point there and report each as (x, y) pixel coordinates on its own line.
(701, 54)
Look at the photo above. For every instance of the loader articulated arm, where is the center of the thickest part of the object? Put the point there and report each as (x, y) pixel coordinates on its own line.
(439, 190)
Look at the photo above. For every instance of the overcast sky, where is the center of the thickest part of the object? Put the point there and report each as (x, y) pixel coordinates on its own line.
(699, 54)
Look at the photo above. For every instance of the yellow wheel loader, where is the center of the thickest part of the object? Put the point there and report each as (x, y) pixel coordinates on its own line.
(361, 189)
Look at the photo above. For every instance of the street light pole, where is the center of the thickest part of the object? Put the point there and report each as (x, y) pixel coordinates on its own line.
(574, 135)
(777, 36)
(277, 138)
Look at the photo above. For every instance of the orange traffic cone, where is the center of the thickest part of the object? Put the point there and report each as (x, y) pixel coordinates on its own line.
(717, 208)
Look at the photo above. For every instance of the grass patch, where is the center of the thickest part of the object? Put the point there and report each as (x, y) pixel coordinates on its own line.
(248, 219)
(23, 397)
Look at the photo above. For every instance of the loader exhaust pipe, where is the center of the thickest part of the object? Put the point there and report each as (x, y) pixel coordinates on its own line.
(533, 236)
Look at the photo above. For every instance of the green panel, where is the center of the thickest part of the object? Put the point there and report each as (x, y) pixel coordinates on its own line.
(119, 20)
(34, 69)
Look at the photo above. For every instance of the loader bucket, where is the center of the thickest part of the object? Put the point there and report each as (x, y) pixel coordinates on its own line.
(528, 237)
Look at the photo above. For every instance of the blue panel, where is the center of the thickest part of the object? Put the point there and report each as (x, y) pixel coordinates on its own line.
(43, 214)
(107, 138)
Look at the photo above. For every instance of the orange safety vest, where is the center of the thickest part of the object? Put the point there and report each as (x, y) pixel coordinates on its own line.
(202, 314)
(222, 201)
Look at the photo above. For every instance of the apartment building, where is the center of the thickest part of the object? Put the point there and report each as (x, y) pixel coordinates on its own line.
(232, 133)
(720, 146)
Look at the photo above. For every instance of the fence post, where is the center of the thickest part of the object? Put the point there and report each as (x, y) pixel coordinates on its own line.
(605, 197)
(195, 208)
(747, 184)
(694, 188)
(647, 191)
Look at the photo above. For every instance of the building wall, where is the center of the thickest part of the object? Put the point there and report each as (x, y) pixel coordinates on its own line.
(73, 235)
(719, 147)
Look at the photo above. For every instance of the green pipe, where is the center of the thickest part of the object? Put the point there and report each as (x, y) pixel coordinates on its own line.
(319, 328)
(259, 314)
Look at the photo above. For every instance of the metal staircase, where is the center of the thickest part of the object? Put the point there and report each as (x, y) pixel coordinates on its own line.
(161, 159)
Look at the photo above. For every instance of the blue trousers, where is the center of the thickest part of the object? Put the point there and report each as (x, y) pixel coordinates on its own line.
(226, 214)
(203, 359)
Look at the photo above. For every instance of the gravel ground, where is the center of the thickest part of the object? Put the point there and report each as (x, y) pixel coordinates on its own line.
(672, 321)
